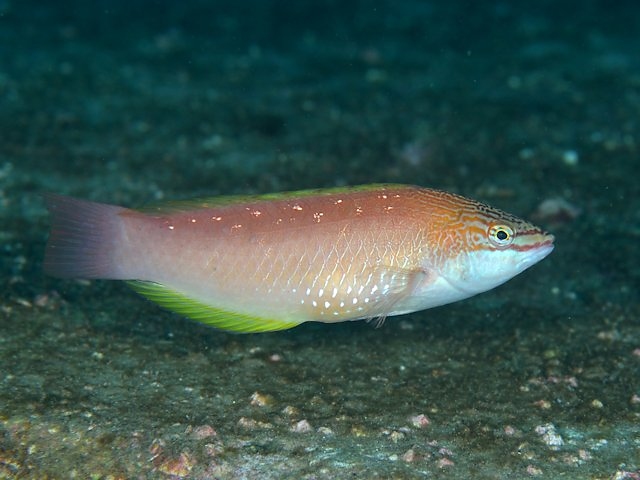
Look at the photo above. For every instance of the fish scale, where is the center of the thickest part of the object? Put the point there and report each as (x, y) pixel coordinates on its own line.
(266, 263)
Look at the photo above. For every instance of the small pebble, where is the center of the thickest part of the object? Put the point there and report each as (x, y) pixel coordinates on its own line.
(178, 467)
(543, 404)
(409, 456)
(556, 211)
(290, 411)
(584, 454)
(302, 426)
(260, 400)
(251, 424)
(549, 435)
(533, 471)
(445, 462)
(204, 431)
(97, 355)
(445, 451)
(570, 158)
(420, 421)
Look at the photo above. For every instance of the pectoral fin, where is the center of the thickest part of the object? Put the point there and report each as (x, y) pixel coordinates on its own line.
(391, 288)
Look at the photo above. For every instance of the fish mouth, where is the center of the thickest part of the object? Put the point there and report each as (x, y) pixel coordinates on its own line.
(532, 239)
(537, 251)
(544, 249)
(546, 243)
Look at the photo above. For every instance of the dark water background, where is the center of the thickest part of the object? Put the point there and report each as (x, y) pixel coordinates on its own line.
(524, 105)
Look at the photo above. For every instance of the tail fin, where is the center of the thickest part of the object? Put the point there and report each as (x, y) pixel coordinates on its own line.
(83, 238)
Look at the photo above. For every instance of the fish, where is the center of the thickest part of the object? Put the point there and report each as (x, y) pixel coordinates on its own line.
(271, 262)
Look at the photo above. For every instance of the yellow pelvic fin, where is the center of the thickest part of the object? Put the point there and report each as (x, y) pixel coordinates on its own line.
(207, 314)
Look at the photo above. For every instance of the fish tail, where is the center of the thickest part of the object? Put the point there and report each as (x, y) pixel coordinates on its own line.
(83, 237)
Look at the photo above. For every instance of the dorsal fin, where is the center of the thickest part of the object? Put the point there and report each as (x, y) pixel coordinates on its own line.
(162, 208)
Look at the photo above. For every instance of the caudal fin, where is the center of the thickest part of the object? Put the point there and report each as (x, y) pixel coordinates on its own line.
(83, 238)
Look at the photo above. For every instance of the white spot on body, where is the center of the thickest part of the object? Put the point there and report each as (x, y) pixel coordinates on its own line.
(327, 304)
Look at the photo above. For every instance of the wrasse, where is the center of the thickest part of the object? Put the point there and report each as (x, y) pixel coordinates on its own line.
(271, 262)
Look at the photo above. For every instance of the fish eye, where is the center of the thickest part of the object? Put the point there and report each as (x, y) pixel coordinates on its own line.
(501, 235)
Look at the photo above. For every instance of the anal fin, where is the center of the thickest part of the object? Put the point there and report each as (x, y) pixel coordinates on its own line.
(207, 314)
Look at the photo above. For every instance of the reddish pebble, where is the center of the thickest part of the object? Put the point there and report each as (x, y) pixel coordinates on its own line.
(178, 467)
(420, 421)
(213, 449)
(204, 431)
(157, 447)
(41, 300)
(445, 451)
(571, 381)
(556, 212)
(544, 404)
(409, 456)
(534, 471)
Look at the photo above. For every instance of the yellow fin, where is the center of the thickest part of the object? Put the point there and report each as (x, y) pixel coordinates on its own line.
(207, 314)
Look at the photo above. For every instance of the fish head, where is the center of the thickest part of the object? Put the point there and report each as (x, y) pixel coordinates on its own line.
(491, 247)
